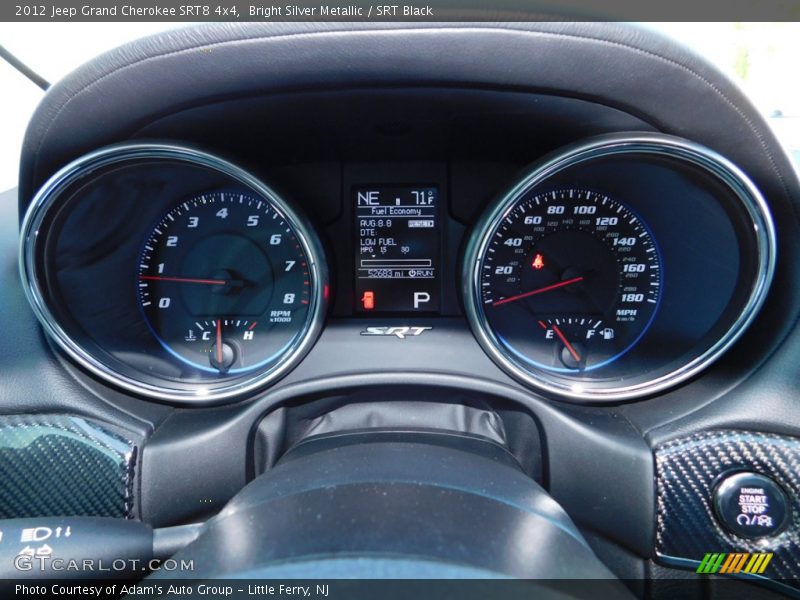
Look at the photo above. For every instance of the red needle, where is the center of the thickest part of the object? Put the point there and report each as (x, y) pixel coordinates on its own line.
(219, 342)
(569, 347)
(541, 290)
(183, 280)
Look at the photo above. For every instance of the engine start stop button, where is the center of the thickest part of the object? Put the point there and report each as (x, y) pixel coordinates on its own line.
(751, 505)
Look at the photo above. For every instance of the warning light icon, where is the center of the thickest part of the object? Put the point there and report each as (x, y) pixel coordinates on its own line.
(368, 300)
(538, 262)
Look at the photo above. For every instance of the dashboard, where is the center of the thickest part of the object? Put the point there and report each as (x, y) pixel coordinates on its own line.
(574, 242)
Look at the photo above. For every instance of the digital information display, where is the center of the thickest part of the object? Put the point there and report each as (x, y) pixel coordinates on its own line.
(397, 248)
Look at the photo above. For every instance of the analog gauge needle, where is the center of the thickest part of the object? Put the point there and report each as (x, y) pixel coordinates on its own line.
(540, 290)
(219, 341)
(191, 280)
(566, 343)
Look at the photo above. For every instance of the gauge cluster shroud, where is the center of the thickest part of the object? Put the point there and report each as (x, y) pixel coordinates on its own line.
(316, 112)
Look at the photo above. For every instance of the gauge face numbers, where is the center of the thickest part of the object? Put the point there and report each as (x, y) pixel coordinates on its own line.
(570, 281)
(224, 284)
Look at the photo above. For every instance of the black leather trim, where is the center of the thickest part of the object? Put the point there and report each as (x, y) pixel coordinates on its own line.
(361, 500)
(624, 66)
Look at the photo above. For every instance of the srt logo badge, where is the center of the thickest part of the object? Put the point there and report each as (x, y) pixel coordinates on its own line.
(400, 332)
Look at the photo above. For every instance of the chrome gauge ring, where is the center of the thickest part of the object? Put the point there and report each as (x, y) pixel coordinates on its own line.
(600, 276)
(173, 273)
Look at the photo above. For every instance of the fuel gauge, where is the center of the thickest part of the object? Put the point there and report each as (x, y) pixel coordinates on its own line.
(576, 339)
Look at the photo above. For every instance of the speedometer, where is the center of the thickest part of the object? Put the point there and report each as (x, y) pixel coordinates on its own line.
(571, 280)
(618, 267)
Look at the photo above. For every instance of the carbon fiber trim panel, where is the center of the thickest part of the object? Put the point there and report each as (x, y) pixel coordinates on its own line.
(687, 471)
(60, 465)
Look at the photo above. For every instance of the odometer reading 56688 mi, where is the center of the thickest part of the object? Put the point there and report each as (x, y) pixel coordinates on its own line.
(570, 280)
(397, 248)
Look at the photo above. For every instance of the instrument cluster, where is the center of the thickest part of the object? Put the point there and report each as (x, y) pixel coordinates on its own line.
(609, 270)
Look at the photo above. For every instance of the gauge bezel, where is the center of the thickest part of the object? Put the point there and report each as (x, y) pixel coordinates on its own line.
(48, 199)
(600, 147)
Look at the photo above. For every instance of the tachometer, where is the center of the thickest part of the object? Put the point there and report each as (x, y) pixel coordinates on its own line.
(224, 283)
(571, 280)
(174, 274)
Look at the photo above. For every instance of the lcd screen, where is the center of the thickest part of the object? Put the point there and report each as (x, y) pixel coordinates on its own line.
(397, 247)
